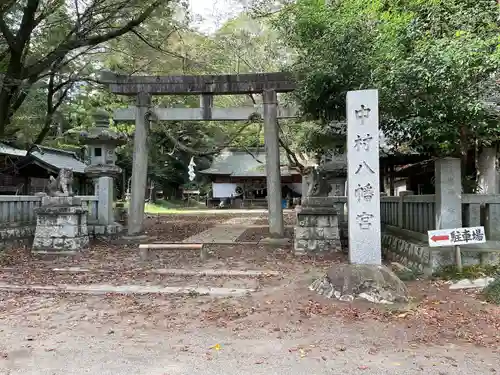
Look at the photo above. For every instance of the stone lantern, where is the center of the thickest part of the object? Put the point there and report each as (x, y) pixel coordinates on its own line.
(102, 142)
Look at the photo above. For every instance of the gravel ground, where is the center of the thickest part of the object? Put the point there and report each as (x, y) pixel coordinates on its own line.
(257, 234)
(282, 329)
(260, 335)
(94, 350)
(289, 218)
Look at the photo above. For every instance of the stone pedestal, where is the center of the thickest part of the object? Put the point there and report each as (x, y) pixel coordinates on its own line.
(61, 226)
(105, 212)
(448, 193)
(317, 229)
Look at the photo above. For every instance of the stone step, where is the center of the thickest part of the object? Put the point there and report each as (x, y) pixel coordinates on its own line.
(144, 249)
(158, 271)
(100, 289)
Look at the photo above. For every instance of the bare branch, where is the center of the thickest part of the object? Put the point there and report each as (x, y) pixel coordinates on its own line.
(193, 151)
(167, 52)
(292, 158)
(27, 24)
(65, 47)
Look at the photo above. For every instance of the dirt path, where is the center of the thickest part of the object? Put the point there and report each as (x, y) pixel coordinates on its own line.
(282, 328)
(229, 231)
(122, 349)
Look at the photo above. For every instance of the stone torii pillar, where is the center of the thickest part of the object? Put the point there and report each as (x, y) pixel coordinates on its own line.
(140, 166)
(273, 170)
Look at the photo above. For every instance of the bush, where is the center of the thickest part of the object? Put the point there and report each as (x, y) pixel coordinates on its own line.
(468, 272)
(492, 292)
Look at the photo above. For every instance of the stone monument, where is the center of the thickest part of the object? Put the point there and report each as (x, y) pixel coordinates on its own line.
(61, 221)
(318, 217)
(102, 142)
(363, 177)
(364, 277)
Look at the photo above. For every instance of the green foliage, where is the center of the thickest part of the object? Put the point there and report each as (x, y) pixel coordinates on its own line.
(492, 292)
(433, 62)
(468, 272)
(48, 46)
(408, 274)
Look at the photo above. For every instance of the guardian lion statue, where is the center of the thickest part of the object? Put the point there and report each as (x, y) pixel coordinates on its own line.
(62, 185)
(318, 185)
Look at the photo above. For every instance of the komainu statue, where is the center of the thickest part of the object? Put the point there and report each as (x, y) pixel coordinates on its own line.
(62, 185)
(317, 182)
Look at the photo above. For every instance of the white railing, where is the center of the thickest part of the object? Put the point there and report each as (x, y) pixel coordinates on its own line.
(18, 210)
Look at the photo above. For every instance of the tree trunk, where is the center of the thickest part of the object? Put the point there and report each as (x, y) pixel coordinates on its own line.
(464, 158)
(11, 84)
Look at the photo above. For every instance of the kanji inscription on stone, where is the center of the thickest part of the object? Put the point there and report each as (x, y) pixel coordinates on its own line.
(364, 220)
(365, 166)
(364, 192)
(363, 177)
(362, 143)
(362, 113)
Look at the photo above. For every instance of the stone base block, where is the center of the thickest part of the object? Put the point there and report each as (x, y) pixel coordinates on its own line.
(316, 233)
(302, 246)
(61, 201)
(63, 244)
(61, 228)
(106, 230)
(317, 230)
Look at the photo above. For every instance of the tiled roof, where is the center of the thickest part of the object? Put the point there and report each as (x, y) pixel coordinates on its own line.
(50, 156)
(244, 164)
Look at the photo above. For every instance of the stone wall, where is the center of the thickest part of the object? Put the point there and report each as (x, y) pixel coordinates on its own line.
(420, 257)
(15, 237)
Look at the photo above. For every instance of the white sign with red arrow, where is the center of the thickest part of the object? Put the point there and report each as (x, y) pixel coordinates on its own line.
(456, 236)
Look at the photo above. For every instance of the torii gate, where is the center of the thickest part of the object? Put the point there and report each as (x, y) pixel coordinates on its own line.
(143, 87)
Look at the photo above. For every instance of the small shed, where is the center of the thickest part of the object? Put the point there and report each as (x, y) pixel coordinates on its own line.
(242, 173)
(29, 174)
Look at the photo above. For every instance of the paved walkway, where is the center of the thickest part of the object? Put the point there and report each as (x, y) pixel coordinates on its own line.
(227, 232)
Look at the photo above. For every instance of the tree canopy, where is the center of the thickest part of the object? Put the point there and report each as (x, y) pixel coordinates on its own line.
(47, 45)
(435, 63)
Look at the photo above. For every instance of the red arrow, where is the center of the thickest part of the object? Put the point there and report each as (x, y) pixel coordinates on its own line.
(440, 238)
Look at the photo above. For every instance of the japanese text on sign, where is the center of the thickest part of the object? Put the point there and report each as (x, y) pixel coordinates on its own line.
(456, 236)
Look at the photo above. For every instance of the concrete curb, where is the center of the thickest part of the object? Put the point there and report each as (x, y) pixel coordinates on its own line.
(471, 284)
(100, 289)
(161, 271)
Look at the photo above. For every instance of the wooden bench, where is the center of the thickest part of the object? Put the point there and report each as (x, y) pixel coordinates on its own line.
(145, 248)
